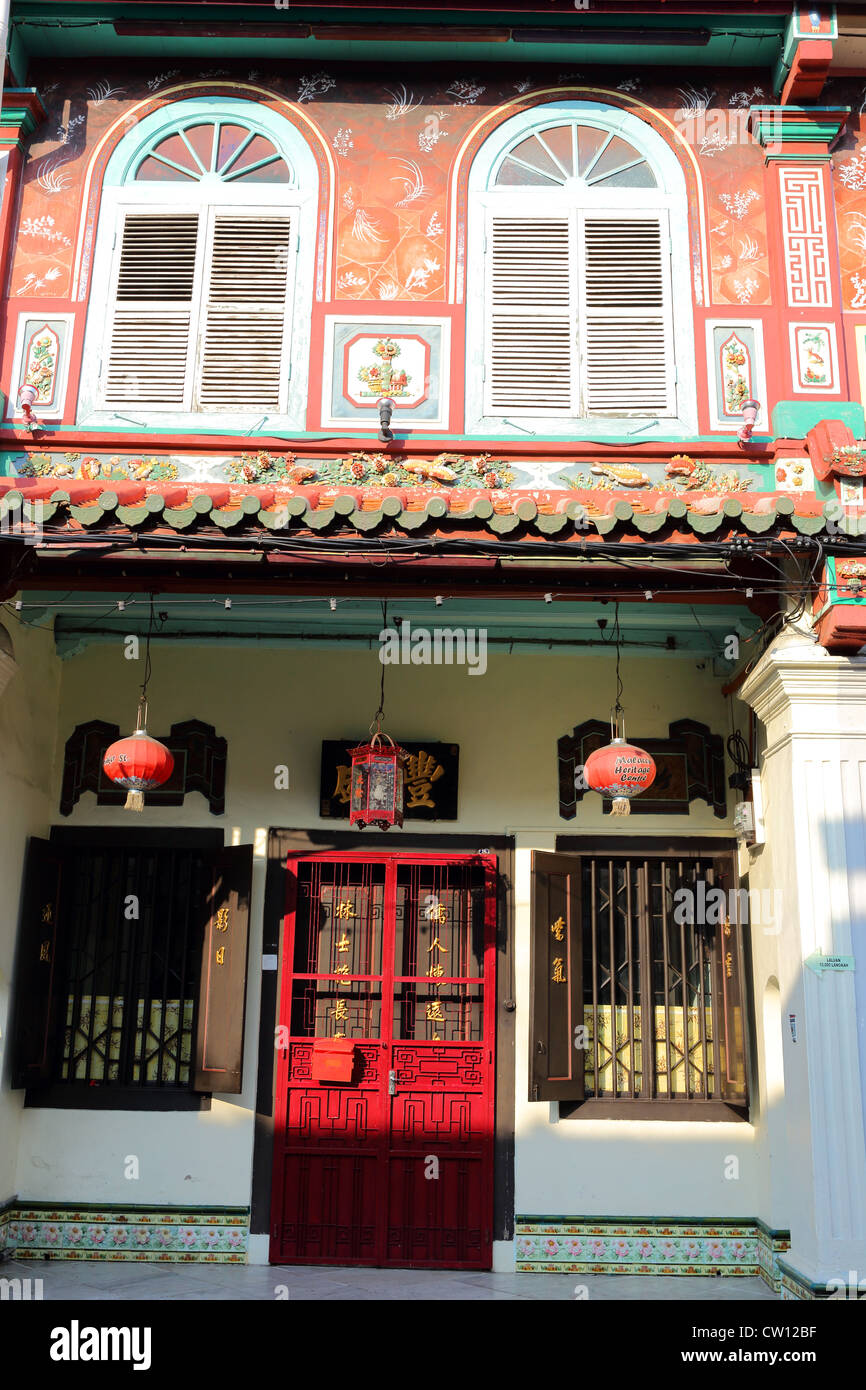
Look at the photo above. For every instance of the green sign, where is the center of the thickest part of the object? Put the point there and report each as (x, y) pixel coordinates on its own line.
(817, 962)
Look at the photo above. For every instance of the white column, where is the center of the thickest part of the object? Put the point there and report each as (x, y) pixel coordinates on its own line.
(813, 707)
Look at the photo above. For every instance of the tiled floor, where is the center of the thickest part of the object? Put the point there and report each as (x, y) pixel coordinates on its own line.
(94, 1280)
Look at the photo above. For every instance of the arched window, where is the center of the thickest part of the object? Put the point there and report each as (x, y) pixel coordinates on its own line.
(197, 307)
(578, 267)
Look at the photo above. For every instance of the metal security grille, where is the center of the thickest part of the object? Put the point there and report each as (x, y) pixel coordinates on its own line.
(651, 975)
(130, 961)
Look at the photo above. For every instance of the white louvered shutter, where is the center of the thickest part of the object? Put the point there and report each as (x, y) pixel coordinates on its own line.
(243, 350)
(626, 330)
(530, 340)
(151, 321)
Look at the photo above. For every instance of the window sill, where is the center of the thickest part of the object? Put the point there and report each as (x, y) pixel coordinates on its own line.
(61, 1097)
(706, 1111)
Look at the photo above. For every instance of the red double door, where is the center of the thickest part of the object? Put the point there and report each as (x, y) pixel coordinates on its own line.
(395, 1166)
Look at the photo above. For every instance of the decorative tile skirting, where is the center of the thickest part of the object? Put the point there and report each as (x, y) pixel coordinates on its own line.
(796, 1287)
(6, 1210)
(209, 1235)
(647, 1245)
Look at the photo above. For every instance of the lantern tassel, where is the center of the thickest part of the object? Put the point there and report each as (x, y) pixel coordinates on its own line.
(621, 806)
(134, 801)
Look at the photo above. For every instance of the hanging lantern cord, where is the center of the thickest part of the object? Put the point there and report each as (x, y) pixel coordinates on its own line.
(376, 726)
(618, 713)
(141, 722)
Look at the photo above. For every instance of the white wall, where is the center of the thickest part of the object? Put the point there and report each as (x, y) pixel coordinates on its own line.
(28, 730)
(275, 706)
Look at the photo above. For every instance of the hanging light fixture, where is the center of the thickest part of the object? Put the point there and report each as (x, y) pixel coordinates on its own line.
(376, 795)
(139, 763)
(619, 770)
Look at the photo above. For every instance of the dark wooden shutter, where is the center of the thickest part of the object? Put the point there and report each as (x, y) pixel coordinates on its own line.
(556, 1065)
(219, 1046)
(35, 1022)
(728, 986)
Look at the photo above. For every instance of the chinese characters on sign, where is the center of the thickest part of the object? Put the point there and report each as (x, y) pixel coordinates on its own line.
(434, 1006)
(430, 780)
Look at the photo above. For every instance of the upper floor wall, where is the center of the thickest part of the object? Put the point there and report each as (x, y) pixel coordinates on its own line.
(503, 254)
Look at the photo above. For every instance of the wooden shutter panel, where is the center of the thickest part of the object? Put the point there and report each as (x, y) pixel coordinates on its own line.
(35, 1023)
(556, 1066)
(730, 996)
(219, 1045)
(531, 309)
(244, 325)
(626, 330)
(151, 324)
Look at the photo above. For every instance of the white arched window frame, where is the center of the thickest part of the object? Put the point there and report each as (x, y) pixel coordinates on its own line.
(232, 352)
(529, 327)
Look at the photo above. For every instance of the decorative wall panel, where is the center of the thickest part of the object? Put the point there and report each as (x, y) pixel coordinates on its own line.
(804, 229)
(41, 358)
(814, 360)
(405, 361)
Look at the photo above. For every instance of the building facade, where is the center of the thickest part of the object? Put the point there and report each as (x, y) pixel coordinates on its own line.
(485, 374)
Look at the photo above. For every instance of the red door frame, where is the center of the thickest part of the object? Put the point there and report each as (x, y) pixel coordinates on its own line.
(388, 982)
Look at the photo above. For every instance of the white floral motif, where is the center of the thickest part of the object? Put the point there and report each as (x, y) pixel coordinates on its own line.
(348, 200)
(749, 248)
(465, 90)
(714, 143)
(522, 85)
(314, 84)
(343, 141)
(402, 102)
(420, 274)
(857, 233)
(51, 178)
(745, 289)
(853, 174)
(726, 262)
(64, 132)
(695, 101)
(628, 84)
(161, 77)
(738, 204)
(349, 280)
(412, 181)
(434, 226)
(859, 285)
(432, 132)
(365, 228)
(41, 227)
(102, 91)
(388, 290)
(744, 99)
(32, 282)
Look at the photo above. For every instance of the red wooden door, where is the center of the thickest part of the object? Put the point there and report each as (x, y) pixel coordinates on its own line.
(395, 1167)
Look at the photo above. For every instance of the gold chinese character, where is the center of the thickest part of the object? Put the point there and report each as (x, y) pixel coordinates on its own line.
(339, 1035)
(45, 951)
(343, 790)
(436, 970)
(340, 1010)
(342, 970)
(437, 944)
(222, 919)
(345, 910)
(437, 913)
(558, 927)
(434, 1012)
(557, 975)
(47, 913)
(422, 770)
(729, 968)
(221, 956)
(436, 1037)
(343, 943)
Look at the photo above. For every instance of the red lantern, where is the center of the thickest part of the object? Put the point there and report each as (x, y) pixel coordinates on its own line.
(619, 770)
(376, 796)
(138, 763)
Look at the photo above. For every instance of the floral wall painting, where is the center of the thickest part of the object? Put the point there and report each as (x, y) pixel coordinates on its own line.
(735, 365)
(813, 357)
(403, 360)
(41, 359)
(794, 474)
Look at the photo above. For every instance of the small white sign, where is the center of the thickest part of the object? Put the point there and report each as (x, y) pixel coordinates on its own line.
(817, 962)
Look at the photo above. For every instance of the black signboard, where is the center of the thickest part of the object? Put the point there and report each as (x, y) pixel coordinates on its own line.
(430, 779)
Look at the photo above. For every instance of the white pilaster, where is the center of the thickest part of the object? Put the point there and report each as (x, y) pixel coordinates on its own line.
(813, 706)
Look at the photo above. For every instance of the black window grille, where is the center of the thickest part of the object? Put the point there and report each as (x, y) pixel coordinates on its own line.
(130, 961)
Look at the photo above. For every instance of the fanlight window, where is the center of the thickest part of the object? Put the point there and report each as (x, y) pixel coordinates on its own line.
(223, 150)
(564, 154)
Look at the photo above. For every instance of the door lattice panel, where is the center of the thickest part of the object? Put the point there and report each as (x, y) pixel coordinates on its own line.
(394, 954)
